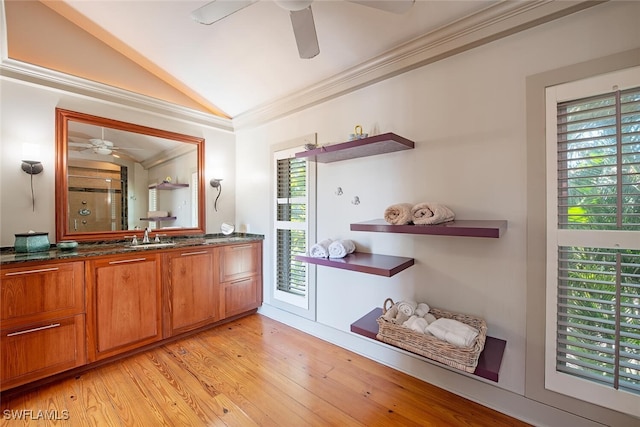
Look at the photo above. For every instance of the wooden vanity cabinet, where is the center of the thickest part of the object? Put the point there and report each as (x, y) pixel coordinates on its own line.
(190, 289)
(240, 275)
(55, 316)
(42, 321)
(124, 303)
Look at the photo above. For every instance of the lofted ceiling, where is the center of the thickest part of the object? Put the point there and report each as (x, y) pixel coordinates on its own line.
(249, 60)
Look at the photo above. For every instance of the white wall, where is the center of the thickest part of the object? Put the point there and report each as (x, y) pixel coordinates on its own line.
(467, 116)
(28, 117)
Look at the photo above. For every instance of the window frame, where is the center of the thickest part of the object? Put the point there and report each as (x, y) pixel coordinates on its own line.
(564, 383)
(304, 306)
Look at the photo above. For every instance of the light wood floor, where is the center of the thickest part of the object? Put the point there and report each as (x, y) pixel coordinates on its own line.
(254, 371)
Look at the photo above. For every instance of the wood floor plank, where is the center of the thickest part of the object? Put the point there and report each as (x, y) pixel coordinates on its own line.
(199, 362)
(287, 377)
(126, 393)
(319, 384)
(254, 385)
(172, 396)
(206, 401)
(88, 401)
(250, 372)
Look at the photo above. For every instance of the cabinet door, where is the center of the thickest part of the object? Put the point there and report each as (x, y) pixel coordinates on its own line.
(41, 349)
(125, 304)
(191, 290)
(30, 294)
(239, 261)
(241, 295)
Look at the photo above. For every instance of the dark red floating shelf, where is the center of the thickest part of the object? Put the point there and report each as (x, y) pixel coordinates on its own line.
(371, 146)
(464, 228)
(488, 363)
(381, 265)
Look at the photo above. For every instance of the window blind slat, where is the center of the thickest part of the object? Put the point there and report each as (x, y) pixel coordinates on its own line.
(598, 187)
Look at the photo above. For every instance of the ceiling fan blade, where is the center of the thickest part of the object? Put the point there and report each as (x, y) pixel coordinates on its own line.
(218, 9)
(394, 6)
(304, 30)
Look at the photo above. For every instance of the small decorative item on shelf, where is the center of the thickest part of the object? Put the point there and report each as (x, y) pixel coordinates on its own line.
(227, 228)
(357, 134)
(427, 345)
(32, 242)
(67, 245)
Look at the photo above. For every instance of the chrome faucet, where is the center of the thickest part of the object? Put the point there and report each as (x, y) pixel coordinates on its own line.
(145, 238)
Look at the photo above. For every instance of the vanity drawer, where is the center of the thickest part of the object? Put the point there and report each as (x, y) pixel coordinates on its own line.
(239, 296)
(37, 350)
(240, 261)
(38, 292)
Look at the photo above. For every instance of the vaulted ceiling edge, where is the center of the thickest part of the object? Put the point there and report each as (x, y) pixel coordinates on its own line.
(488, 25)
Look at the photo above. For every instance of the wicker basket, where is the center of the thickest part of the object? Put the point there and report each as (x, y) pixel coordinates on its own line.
(463, 358)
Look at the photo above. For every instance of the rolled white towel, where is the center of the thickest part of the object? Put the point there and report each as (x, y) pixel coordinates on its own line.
(157, 214)
(409, 322)
(398, 214)
(320, 249)
(341, 248)
(431, 213)
(420, 325)
(453, 331)
(416, 324)
(422, 309)
(430, 318)
(407, 307)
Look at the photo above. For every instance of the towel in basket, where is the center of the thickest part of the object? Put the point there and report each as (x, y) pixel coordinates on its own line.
(463, 358)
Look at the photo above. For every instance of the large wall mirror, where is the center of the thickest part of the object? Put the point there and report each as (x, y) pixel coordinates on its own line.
(114, 179)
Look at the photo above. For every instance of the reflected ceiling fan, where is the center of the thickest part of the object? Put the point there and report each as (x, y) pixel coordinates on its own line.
(100, 146)
(304, 28)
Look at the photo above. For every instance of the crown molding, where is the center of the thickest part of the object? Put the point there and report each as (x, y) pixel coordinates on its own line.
(490, 24)
(26, 73)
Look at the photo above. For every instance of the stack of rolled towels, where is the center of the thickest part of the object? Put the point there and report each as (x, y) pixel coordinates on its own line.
(329, 248)
(421, 214)
(417, 317)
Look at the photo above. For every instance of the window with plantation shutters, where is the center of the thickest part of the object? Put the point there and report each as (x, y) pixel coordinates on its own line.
(291, 219)
(292, 232)
(593, 241)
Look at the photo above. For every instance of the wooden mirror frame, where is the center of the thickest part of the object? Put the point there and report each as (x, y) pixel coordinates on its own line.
(62, 196)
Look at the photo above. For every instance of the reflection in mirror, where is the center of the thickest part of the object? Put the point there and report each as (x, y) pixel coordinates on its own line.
(113, 178)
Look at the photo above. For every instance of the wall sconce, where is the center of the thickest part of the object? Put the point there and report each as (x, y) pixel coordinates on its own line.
(215, 183)
(32, 167)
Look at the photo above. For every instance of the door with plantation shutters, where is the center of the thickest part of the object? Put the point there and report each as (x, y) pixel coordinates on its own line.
(292, 233)
(593, 240)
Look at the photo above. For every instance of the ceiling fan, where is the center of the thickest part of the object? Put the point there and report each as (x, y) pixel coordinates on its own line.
(304, 28)
(99, 146)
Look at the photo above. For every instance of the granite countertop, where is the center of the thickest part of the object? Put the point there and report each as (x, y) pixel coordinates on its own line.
(92, 249)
